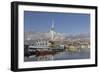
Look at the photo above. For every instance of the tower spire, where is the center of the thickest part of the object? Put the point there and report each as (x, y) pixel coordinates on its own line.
(52, 30)
(52, 27)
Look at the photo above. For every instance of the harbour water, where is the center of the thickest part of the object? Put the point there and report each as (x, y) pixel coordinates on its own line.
(64, 55)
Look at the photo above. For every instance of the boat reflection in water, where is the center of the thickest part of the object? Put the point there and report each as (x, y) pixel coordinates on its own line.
(46, 55)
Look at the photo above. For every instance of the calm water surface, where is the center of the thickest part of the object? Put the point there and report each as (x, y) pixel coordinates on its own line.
(83, 54)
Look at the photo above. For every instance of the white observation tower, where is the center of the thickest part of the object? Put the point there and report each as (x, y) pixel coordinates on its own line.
(52, 31)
